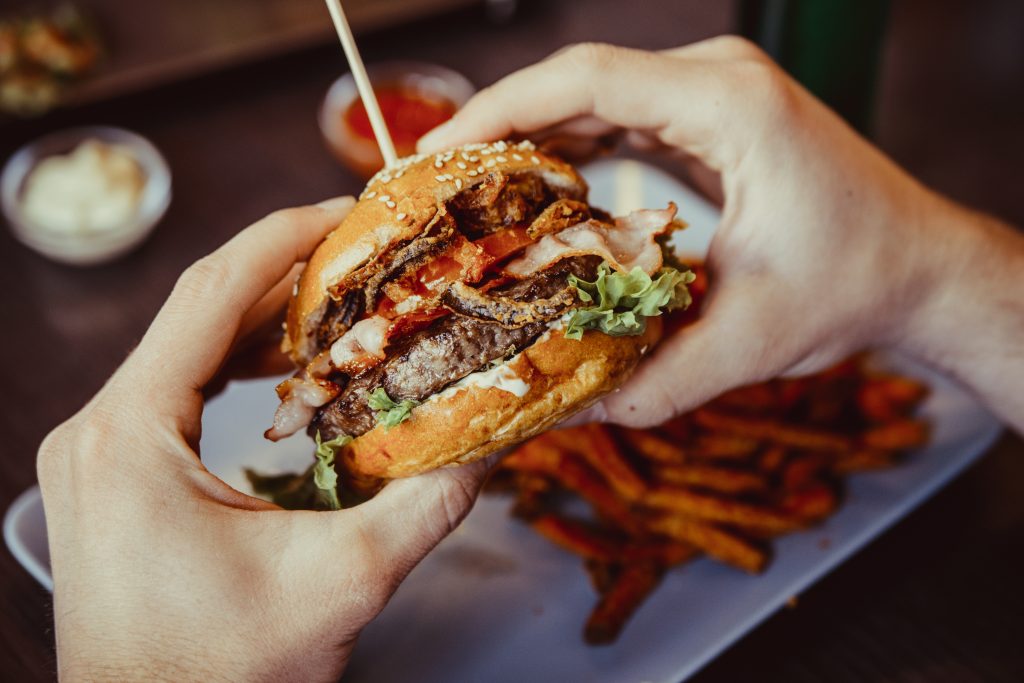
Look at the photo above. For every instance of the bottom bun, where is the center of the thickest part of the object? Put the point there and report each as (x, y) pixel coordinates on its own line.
(455, 427)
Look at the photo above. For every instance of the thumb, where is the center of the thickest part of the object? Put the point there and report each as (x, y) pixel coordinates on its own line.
(410, 516)
(737, 341)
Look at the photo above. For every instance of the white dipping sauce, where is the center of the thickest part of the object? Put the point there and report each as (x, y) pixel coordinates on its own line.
(95, 188)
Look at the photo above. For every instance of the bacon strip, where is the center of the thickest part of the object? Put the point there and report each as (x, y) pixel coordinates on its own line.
(300, 398)
(627, 245)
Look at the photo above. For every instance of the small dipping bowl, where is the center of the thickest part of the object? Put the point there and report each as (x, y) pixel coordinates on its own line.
(426, 82)
(93, 247)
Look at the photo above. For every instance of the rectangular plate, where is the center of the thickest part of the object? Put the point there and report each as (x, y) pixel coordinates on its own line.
(496, 602)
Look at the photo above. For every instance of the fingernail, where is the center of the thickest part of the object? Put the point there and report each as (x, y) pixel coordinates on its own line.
(336, 203)
(435, 138)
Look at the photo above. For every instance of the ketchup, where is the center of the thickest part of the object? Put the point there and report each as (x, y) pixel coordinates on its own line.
(409, 116)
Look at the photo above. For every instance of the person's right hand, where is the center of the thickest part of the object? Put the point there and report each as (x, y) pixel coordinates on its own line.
(825, 246)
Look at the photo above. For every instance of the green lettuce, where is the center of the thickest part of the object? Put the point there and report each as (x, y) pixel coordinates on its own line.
(387, 412)
(324, 475)
(620, 303)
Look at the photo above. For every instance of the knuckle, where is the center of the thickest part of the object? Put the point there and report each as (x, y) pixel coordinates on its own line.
(770, 87)
(457, 495)
(738, 47)
(51, 457)
(209, 276)
(592, 57)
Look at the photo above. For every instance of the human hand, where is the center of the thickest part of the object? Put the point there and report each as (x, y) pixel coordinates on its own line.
(825, 246)
(161, 570)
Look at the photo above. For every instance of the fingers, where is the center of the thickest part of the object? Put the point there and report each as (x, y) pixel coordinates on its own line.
(193, 332)
(680, 98)
(738, 341)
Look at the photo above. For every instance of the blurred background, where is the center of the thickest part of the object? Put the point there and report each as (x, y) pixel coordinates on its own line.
(230, 93)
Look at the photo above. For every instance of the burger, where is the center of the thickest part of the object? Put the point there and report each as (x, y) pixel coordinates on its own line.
(471, 299)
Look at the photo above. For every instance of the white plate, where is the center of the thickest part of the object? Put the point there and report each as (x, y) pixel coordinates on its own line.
(495, 602)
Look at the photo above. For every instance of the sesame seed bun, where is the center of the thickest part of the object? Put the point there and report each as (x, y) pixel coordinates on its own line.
(398, 204)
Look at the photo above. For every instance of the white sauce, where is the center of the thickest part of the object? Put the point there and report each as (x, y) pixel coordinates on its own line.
(501, 377)
(95, 188)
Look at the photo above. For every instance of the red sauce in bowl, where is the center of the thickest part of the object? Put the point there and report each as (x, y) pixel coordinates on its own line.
(408, 114)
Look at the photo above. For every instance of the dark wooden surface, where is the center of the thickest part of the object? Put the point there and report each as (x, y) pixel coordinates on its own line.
(937, 598)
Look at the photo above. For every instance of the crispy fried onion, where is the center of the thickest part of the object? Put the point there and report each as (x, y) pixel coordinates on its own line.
(558, 216)
(508, 312)
(628, 244)
(300, 397)
(406, 259)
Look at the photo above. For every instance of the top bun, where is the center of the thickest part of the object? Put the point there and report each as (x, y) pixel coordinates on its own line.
(397, 204)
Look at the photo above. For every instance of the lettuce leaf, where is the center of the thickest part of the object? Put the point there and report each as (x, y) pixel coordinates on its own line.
(324, 475)
(387, 412)
(620, 303)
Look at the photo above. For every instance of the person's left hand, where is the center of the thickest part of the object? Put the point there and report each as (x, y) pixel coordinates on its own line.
(163, 571)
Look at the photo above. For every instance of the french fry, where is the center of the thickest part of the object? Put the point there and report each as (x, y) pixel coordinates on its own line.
(665, 553)
(723, 545)
(723, 447)
(811, 504)
(883, 398)
(578, 476)
(757, 398)
(630, 588)
(652, 447)
(719, 479)
(723, 510)
(802, 470)
(532, 495)
(773, 458)
(599, 449)
(602, 574)
(897, 436)
(863, 460)
(578, 538)
(773, 430)
(757, 462)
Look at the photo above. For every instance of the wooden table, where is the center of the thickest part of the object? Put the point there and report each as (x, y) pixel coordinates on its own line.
(936, 598)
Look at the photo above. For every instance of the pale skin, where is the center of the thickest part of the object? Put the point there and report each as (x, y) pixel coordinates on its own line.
(162, 571)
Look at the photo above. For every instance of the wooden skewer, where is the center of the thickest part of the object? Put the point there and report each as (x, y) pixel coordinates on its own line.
(355, 62)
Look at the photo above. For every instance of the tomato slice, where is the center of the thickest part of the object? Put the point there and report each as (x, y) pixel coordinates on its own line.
(413, 322)
(505, 242)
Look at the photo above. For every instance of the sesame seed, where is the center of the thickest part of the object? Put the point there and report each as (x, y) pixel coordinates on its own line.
(458, 183)
(371, 195)
(449, 176)
(473, 160)
(383, 198)
(472, 174)
(535, 160)
(391, 205)
(480, 169)
(439, 178)
(502, 160)
(517, 157)
(438, 164)
(461, 165)
(490, 163)
(400, 216)
(464, 155)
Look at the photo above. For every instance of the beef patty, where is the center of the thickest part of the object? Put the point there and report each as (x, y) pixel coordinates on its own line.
(425, 362)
